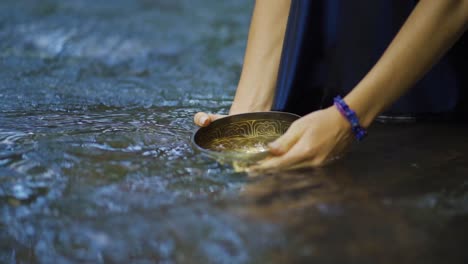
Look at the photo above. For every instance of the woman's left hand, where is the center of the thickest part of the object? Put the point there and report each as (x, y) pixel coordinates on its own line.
(311, 141)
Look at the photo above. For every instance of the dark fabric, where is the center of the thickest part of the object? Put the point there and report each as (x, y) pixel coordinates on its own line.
(330, 45)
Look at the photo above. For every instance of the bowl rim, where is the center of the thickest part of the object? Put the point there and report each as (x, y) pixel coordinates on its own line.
(231, 155)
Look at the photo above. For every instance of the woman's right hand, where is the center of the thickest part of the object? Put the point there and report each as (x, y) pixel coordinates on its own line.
(203, 119)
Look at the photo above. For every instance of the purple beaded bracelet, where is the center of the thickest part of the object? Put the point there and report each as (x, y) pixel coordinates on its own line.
(351, 116)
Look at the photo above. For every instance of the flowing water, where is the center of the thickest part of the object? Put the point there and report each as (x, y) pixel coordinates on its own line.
(96, 166)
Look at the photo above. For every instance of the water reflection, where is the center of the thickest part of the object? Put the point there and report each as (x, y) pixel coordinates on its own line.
(328, 217)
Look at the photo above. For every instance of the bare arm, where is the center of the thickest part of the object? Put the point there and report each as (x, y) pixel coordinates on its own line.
(431, 29)
(256, 87)
(262, 56)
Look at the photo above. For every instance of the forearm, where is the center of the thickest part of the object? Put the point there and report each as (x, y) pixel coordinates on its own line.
(257, 83)
(431, 29)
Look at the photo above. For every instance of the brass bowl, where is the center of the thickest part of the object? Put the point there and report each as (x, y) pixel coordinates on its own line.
(242, 137)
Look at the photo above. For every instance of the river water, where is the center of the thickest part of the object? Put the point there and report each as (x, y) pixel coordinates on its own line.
(96, 166)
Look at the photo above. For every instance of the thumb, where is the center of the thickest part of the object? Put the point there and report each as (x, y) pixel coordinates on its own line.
(204, 119)
(284, 143)
(214, 117)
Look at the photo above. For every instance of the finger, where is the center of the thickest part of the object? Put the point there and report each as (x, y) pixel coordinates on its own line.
(315, 163)
(297, 154)
(214, 117)
(308, 162)
(285, 142)
(203, 119)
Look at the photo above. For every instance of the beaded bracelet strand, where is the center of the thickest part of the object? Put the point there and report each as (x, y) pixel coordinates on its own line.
(359, 132)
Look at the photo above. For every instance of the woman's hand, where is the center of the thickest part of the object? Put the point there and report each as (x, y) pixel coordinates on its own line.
(203, 119)
(311, 141)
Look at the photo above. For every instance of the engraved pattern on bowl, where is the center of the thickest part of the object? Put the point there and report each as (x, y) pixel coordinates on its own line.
(243, 136)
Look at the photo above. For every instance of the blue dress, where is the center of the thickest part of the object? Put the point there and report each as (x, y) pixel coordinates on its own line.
(330, 45)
